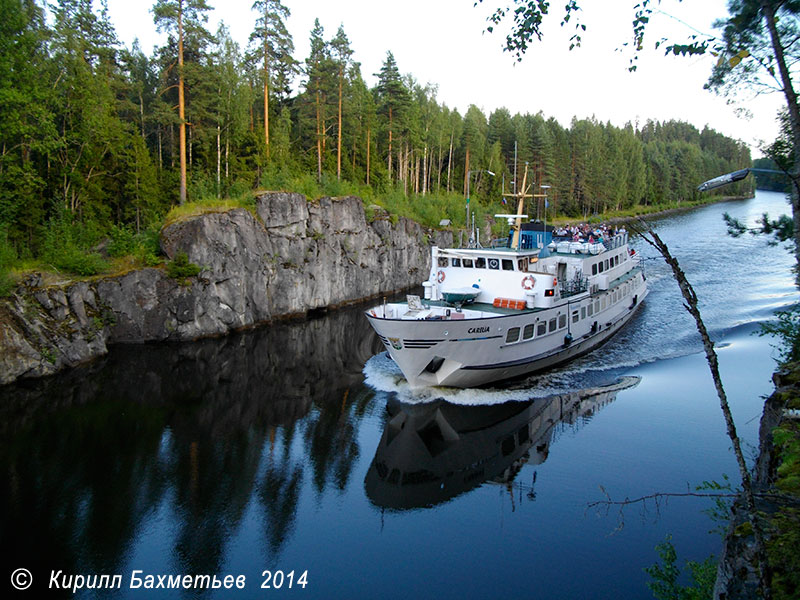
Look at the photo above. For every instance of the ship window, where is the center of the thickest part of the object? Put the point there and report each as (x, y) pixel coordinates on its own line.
(442, 261)
(456, 262)
(575, 316)
(513, 335)
(597, 306)
(494, 263)
(591, 311)
(507, 446)
(552, 325)
(480, 263)
(522, 263)
(467, 263)
(601, 266)
(583, 312)
(523, 435)
(508, 264)
(541, 328)
(527, 333)
(594, 269)
(606, 264)
(562, 321)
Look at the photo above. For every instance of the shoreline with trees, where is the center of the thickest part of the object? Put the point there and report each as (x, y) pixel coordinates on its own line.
(91, 131)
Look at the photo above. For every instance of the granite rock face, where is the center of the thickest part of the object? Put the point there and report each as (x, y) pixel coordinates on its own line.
(295, 256)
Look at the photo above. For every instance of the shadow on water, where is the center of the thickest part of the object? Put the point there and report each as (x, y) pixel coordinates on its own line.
(195, 431)
(431, 453)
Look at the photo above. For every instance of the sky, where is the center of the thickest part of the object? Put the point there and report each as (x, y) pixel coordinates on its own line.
(445, 43)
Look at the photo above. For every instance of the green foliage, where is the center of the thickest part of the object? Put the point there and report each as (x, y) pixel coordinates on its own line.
(787, 329)
(143, 246)
(781, 229)
(7, 258)
(67, 246)
(181, 268)
(665, 585)
(783, 546)
(721, 508)
(91, 136)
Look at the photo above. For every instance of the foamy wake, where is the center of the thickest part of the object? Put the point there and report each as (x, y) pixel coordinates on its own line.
(383, 375)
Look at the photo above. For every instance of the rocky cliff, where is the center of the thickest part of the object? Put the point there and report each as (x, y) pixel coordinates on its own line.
(293, 257)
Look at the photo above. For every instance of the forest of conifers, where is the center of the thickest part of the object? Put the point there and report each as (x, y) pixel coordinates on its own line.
(90, 131)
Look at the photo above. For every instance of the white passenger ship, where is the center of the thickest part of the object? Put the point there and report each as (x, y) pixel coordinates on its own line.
(490, 314)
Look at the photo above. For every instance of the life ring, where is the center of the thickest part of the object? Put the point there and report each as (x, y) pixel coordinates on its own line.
(440, 276)
(528, 282)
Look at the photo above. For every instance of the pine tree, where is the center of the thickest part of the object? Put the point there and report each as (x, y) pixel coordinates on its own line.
(275, 45)
(184, 18)
(341, 53)
(392, 99)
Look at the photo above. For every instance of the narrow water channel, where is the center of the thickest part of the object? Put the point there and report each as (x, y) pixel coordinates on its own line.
(298, 448)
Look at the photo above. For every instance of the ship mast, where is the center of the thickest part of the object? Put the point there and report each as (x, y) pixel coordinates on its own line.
(520, 196)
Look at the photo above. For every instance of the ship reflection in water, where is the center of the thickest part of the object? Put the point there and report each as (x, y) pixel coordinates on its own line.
(430, 453)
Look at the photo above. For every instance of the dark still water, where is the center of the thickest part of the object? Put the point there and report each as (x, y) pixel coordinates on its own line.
(297, 448)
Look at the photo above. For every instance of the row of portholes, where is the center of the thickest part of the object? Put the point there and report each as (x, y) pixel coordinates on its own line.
(537, 329)
(605, 265)
(540, 328)
(481, 263)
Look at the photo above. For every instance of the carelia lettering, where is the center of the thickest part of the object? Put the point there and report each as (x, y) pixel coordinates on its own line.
(478, 330)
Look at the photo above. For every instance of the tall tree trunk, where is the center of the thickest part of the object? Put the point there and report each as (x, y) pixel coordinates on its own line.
(466, 172)
(219, 163)
(690, 297)
(368, 148)
(390, 144)
(181, 105)
(425, 171)
(141, 112)
(319, 138)
(767, 7)
(439, 168)
(450, 160)
(266, 84)
(339, 128)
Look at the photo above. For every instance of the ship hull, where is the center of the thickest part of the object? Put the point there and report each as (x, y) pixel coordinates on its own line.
(474, 352)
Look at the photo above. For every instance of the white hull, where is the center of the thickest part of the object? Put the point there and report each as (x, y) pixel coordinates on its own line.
(475, 351)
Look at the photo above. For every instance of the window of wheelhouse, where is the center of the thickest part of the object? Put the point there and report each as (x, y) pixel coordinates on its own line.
(442, 261)
(508, 264)
(456, 262)
(522, 263)
(480, 263)
(467, 263)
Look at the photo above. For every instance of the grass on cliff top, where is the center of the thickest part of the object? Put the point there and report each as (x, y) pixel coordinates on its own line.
(210, 204)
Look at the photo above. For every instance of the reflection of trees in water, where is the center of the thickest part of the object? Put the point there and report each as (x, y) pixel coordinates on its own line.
(89, 457)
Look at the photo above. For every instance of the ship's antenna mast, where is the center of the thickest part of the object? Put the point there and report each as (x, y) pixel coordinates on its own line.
(520, 207)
